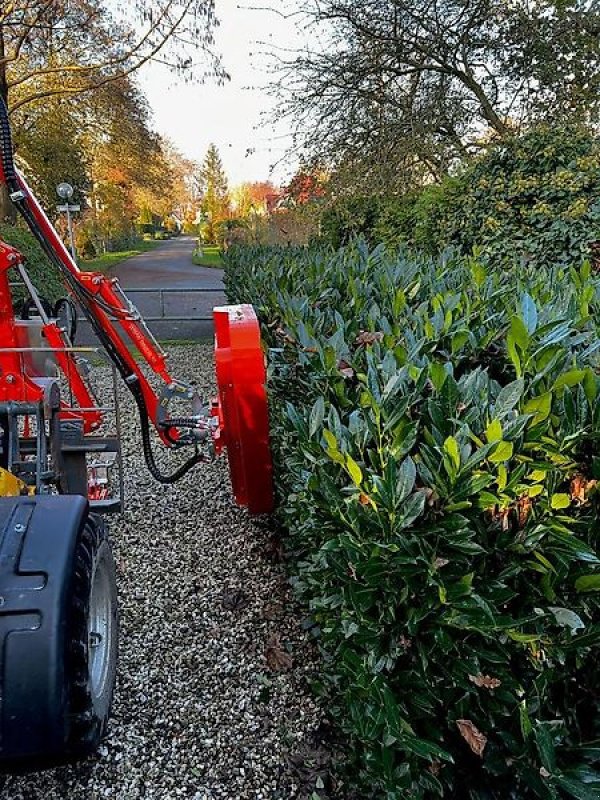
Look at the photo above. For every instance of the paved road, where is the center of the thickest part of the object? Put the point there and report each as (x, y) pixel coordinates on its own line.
(169, 266)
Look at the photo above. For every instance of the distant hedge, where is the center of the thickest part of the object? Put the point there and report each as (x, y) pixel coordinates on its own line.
(44, 275)
(533, 199)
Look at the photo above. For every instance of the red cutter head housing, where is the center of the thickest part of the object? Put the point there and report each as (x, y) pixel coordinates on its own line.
(242, 408)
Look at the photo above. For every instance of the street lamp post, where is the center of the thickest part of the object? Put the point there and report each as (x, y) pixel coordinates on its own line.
(65, 192)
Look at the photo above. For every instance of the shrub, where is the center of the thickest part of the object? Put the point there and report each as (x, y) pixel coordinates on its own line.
(358, 216)
(435, 425)
(532, 198)
(229, 231)
(44, 275)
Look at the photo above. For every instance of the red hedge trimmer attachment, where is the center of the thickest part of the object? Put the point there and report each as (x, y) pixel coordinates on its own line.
(241, 410)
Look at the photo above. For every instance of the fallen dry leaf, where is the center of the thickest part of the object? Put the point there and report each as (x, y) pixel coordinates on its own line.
(503, 514)
(283, 334)
(310, 765)
(234, 599)
(366, 338)
(278, 659)
(290, 340)
(431, 496)
(485, 682)
(580, 488)
(472, 736)
(345, 368)
(524, 506)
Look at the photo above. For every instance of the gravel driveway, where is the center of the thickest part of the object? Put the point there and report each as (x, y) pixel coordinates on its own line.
(212, 698)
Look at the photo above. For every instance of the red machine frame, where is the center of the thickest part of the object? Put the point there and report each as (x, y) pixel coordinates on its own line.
(104, 292)
(239, 419)
(242, 409)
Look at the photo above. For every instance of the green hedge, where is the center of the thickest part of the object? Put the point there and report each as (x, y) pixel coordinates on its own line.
(45, 277)
(534, 198)
(435, 427)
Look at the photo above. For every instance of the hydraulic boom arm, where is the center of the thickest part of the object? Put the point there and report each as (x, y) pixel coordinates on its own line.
(115, 321)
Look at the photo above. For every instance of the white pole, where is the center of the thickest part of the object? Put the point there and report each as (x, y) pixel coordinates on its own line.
(70, 226)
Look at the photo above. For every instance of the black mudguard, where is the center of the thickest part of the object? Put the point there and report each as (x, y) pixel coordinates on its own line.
(38, 537)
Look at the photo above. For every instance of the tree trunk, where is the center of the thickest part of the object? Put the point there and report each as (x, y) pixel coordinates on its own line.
(8, 212)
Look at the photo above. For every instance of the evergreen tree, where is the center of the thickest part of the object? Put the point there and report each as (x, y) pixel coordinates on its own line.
(215, 192)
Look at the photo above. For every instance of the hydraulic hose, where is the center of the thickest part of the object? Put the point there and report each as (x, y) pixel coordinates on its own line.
(8, 164)
(153, 467)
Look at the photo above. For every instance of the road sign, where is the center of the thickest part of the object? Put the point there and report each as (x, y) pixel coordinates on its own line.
(68, 208)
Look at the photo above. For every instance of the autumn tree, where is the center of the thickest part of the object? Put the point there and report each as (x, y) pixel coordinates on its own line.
(123, 173)
(215, 191)
(253, 197)
(185, 195)
(52, 147)
(307, 185)
(128, 165)
(51, 50)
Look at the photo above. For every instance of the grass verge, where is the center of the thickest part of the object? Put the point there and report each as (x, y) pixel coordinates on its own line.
(211, 257)
(106, 261)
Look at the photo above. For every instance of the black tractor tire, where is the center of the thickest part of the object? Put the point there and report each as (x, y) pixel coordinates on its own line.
(65, 312)
(58, 631)
(90, 689)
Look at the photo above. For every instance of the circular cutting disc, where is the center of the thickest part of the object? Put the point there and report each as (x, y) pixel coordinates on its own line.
(242, 407)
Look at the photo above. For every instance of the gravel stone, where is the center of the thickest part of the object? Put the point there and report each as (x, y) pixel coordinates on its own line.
(198, 712)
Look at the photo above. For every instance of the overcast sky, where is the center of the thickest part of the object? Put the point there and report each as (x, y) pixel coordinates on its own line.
(232, 116)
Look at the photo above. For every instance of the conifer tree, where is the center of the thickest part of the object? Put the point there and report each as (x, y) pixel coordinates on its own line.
(215, 191)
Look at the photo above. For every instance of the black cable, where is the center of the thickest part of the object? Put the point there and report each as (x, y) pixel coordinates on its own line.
(8, 164)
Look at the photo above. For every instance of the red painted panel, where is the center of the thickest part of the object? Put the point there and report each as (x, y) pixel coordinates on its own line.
(242, 408)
